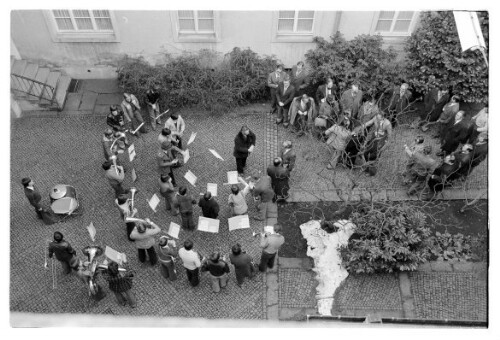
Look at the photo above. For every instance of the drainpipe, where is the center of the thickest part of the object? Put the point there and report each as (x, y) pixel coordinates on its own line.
(336, 24)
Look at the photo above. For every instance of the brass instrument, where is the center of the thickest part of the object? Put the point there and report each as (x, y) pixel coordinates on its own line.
(113, 158)
(92, 252)
(133, 190)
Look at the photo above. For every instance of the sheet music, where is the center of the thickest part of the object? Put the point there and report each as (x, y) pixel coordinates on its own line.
(191, 178)
(131, 152)
(174, 230)
(115, 256)
(186, 156)
(232, 177)
(269, 229)
(134, 175)
(209, 225)
(92, 231)
(192, 137)
(212, 188)
(153, 202)
(239, 222)
(216, 154)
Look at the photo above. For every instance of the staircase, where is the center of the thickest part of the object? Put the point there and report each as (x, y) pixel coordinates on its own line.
(37, 88)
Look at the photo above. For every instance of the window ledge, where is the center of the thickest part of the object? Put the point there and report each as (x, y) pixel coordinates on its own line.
(197, 37)
(293, 37)
(85, 37)
(392, 34)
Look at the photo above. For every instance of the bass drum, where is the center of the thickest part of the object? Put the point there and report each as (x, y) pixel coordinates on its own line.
(62, 190)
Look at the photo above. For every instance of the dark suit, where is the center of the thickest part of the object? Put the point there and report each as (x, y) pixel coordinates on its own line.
(64, 253)
(279, 180)
(286, 98)
(209, 208)
(241, 146)
(456, 133)
(430, 100)
(479, 154)
(34, 198)
(321, 93)
(288, 159)
(438, 108)
(242, 266)
(185, 206)
(464, 162)
(399, 104)
(272, 82)
(299, 81)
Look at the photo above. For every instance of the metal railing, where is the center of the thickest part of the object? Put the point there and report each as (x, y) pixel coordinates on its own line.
(34, 88)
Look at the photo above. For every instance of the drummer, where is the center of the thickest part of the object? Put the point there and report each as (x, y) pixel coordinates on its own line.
(115, 119)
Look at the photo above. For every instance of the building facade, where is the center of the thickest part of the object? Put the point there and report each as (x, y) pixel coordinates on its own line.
(79, 40)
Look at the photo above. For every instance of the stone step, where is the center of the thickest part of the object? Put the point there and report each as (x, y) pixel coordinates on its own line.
(62, 91)
(41, 76)
(52, 80)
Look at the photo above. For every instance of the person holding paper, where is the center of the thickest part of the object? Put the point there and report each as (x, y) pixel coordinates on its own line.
(152, 100)
(115, 176)
(191, 262)
(123, 204)
(243, 264)
(270, 244)
(177, 125)
(166, 255)
(237, 199)
(166, 160)
(264, 194)
(244, 143)
(132, 111)
(279, 179)
(209, 206)
(168, 191)
(64, 253)
(185, 205)
(217, 269)
(120, 285)
(144, 236)
(166, 136)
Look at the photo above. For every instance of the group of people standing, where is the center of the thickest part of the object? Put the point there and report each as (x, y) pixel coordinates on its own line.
(356, 125)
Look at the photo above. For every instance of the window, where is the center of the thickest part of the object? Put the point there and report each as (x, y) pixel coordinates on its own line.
(295, 22)
(394, 22)
(82, 20)
(198, 22)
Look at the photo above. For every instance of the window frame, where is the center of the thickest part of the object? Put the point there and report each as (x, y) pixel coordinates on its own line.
(295, 23)
(195, 36)
(196, 24)
(390, 33)
(84, 35)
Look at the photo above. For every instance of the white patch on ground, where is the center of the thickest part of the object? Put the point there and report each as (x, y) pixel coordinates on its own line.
(323, 248)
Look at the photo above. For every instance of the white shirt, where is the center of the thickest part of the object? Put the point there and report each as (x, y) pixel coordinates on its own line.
(190, 259)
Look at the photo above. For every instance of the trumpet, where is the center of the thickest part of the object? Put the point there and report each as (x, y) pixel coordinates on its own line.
(135, 219)
(261, 234)
(113, 158)
(133, 190)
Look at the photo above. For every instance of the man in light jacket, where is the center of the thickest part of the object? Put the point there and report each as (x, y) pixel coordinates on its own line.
(338, 137)
(143, 234)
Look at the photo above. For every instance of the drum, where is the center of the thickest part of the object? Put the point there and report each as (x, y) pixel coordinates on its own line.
(62, 190)
(65, 205)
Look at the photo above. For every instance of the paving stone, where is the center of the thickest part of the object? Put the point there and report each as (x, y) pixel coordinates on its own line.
(272, 296)
(290, 262)
(273, 312)
(88, 101)
(295, 314)
(463, 267)
(441, 266)
(404, 285)
(272, 281)
(73, 101)
(409, 308)
(109, 99)
(446, 295)
(296, 288)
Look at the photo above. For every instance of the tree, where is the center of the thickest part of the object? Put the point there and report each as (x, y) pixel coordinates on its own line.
(434, 49)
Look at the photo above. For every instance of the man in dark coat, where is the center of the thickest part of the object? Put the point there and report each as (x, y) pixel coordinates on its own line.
(32, 195)
(263, 193)
(430, 97)
(464, 160)
(64, 253)
(325, 90)
(242, 262)
(279, 179)
(288, 156)
(299, 78)
(273, 79)
(457, 132)
(284, 95)
(115, 118)
(244, 143)
(479, 151)
(217, 269)
(209, 206)
(441, 177)
(400, 103)
(185, 205)
(442, 99)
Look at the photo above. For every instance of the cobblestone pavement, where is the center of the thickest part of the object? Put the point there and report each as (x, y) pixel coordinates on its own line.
(453, 296)
(297, 288)
(67, 150)
(312, 176)
(369, 292)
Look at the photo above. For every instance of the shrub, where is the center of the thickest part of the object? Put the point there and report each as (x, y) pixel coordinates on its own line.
(362, 59)
(388, 238)
(202, 79)
(434, 49)
(458, 247)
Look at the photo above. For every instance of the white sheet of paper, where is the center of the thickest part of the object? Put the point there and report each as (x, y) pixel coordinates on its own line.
(192, 137)
(173, 230)
(153, 202)
(115, 256)
(232, 177)
(239, 222)
(269, 229)
(134, 175)
(191, 178)
(215, 154)
(92, 231)
(208, 225)
(186, 156)
(131, 152)
(212, 188)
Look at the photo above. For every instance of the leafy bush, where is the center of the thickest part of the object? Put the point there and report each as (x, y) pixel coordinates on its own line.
(202, 79)
(362, 59)
(458, 247)
(434, 49)
(388, 238)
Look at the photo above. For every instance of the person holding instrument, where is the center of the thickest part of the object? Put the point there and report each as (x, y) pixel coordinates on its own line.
(270, 244)
(143, 234)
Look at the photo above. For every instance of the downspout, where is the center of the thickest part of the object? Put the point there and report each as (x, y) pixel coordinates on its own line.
(336, 24)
